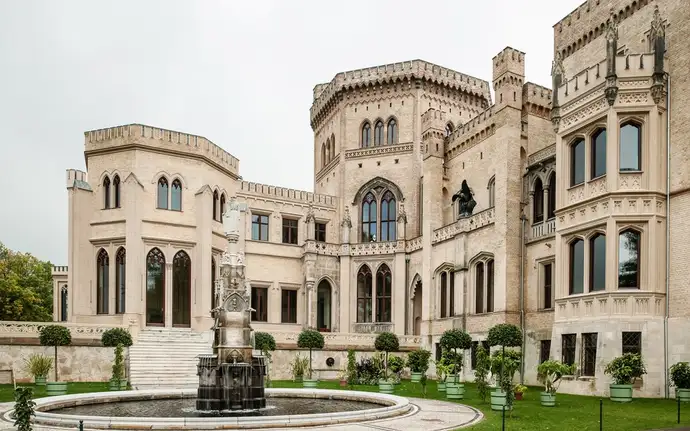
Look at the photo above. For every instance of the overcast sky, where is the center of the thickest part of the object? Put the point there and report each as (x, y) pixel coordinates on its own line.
(240, 73)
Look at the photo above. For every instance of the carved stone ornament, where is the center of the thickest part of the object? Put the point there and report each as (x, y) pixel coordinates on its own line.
(556, 118)
(467, 202)
(658, 27)
(611, 91)
(557, 68)
(347, 221)
(612, 27)
(402, 215)
(310, 214)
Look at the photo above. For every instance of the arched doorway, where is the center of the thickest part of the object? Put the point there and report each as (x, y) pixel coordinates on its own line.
(182, 292)
(417, 308)
(323, 306)
(155, 288)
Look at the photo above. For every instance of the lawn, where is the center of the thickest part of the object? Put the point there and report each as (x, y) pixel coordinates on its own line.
(572, 412)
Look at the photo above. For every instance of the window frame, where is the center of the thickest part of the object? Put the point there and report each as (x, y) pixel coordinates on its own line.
(592, 261)
(260, 313)
(290, 231)
(117, 196)
(176, 188)
(320, 231)
(392, 131)
(547, 284)
(379, 133)
(594, 145)
(364, 274)
(589, 353)
(106, 193)
(120, 280)
(630, 347)
(571, 265)
(551, 204)
(544, 352)
(289, 317)
(573, 145)
(162, 193)
(365, 135)
(102, 282)
(215, 205)
(638, 275)
(259, 221)
(568, 351)
(384, 296)
(538, 201)
(639, 126)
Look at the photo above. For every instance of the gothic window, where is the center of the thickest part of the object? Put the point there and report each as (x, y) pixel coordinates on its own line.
(155, 288)
(222, 207)
(630, 149)
(102, 273)
(116, 191)
(64, 303)
(106, 193)
(479, 287)
(163, 193)
(364, 293)
(490, 286)
(323, 155)
(538, 202)
(629, 259)
(259, 227)
(369, 218)
(388, 221)
(383, 294)
(577, 162)
(120, 280)
(444, 295)
(215, 205)
(332, 145)
(320, 229)
(449, 129)
(492, 192)
(378, 133)
(451, 294)
(552, 197)
(547, 286)
(182, 291)
(568, 348)
(213, 283)
(597, 263)
(392, 132)
(577, 266)
(328, 150)
(366, 135)
(176, 196)
(599, 153)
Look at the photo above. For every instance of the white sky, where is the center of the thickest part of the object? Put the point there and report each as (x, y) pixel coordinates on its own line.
(240, 73)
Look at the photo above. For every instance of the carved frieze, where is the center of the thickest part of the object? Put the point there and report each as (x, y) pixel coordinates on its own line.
(584, 113)
(382, 150)
(630, 181)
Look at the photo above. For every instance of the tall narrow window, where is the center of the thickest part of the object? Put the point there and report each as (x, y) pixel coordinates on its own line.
(155, 288)
(323, 155)
(552, 197)
(369, 218)
(577, 266)
(577, 162)
(64, 303)
(589, 354)
(289, 231)
(106, 193)
(599, 153)
(116, 191)
(120, 280)
(366, 135)
(388, 221)
(288, 306)
(383, 294)
(548, 286)
(392, 132)
(260, 304)
(222, 207)
(568, 348)
(597, 263)
(378, 133)
(364, 293)
(323, 306)
(259, 227)
(444, 295)
(213, 284)
(490, 286)
(629, 259)
(182, 290)
(632, 343)
(451, 293)
(538, 202)
(102, 274)
(449, 129)
(215, 205)
(328, 150)
(332, 145)
(544, 351)
(479, 288)
(176, 196)
(320, 229)
(630, 149)
(162, 193)
(492, 192)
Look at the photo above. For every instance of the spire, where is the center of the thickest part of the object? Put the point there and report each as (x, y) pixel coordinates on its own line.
(657, 36)
(611, 90)
(558, 76)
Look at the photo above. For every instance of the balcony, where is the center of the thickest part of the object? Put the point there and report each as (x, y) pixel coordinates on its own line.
(372, 328)
(610, 304)
(543, 229)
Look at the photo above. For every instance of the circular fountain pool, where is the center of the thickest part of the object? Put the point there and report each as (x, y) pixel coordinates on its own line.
(164, 409)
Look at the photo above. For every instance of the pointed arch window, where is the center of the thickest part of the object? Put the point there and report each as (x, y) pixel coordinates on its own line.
(577, 162)
(155, 288)
(577, 267)
(222, 207)
(597, 263)
(388, 222)
(366, 135)
(378, 133)
(451, 293)
(332, 145)
(630, 150)
(323, 155)
(599, 153)
(629, 259)
(328, 150)
(538, 202)
(106, 192)
(490, 286)
(479, 288)
(181, 291)
(64, 303)
(444, 295)
(552, 197)
(213, 284)
(383, 294)
(102, 273)
(176, 196)
(163, 193)
(120, 280)
(392, 132)
(449, 129)
(116, 191)
(369, 218)
(215, 205)
(364, 295)
(492, 192)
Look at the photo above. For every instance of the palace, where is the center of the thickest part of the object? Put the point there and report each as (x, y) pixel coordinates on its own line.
(435, 206)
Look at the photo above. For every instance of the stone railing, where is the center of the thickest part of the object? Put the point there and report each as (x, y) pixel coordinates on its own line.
(413, 245)
(374, 248)
(543, 229)
(323, 248)
(608, 305)
(77, 330)
(465, 224)
(542, 155)
(344, 339)
(372, 328)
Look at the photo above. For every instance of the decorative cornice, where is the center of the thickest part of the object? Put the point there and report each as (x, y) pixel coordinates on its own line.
(382, 150)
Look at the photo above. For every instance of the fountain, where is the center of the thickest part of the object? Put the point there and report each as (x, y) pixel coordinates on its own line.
(232, 378)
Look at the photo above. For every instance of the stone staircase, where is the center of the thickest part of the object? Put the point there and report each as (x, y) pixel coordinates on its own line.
(167, 358)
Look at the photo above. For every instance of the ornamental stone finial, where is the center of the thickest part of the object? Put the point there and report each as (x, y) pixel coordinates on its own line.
(310, 214)
(347, 221)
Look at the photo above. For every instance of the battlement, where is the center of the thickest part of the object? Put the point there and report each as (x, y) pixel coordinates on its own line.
(471, 133)
(129, 135)
(275, 192)
(433, 119)
(77, 179)
(318, 89)
(509, 60)
(59, 270)
(536, 94)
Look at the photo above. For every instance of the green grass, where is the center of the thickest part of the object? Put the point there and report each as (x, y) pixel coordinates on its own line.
(7, 391)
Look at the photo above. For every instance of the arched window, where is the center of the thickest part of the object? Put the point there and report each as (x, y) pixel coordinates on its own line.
(378, 133)
(181, 291)
(364, 281)
(323, 155)
(597, 263)
(213, 284)
(388, 222)
(116, 191)
(629, 259)
(492, 192)
(449, 129)
(215, 205)
(577, 267)
(599, 153)
(444, 295)
(155, 288)
(479, 287)
(106, 193)
(490, 286)
(163, 193)
(577, 162)
(102, 272)
(369, 218)
(552, 196)
(630, 150)
(332, 145)
(222, 207)
(328, 150)
(176, 196)
(538, 202)
(120, 280)
(392, 132)
(366, 135)
(383, 294)
(64, 303)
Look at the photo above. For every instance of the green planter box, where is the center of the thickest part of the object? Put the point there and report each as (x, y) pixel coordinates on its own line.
(123, 384)
(455, 391)
(386, 387)
(683, 395)
(114, 385)
(40, 380)
(306, 383)
(441, 386)
(56, 388)
(621, 393)
(548, 399)
(416, 377)
(498, 400)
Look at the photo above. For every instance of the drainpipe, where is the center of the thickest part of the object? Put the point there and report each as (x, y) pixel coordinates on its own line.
(523, 218)
(668, 228)
(407, 294)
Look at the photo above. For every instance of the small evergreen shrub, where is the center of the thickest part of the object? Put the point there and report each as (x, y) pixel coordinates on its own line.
(23, 408)
(680, 375)
(310, 339)
(114, 336)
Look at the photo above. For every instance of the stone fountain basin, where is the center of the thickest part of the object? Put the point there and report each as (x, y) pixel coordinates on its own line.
(391, 405)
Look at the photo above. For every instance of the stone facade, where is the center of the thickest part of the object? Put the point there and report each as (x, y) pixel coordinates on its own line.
(567, 238)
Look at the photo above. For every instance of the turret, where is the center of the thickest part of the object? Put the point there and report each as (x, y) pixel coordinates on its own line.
(433, 125)
(508, 77)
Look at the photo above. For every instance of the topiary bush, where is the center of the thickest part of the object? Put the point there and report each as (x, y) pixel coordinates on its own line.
(505, 335)
(680, 375)
(114, 336)
(351, 367)
(451, 341)
(310, 339)
(626, 369)
(386, 342)
(265, 342)
(55, 336)
(418, 360)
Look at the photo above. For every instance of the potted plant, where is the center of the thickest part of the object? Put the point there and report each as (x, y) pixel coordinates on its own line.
(342, 378)
(418, 361)
(549, 373)
(55, 336)
(265, 342)
(396, 365)
(386, 342)
(118, 370)
(39, 366)
(519, 391)
(442, 369)
(481, 371)
(451, 341)
(299, 366)
(310, 339)
(504, 335)
(680, 375)
(112, 338)
(625, 370)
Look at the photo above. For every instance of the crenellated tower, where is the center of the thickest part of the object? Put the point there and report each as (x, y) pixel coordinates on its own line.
(508, 77)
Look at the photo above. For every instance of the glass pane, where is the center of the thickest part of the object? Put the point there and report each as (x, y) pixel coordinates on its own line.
(578, 163)
(372, 212)
(577, 267)
(630, 148)
(391, 231)
(181, 294)
(391, 210)
(255, 231)
(176, 197)
(384, 211)
(384, 231)
(264, 232)
(155, 285)
(599, 154)
(365, 212)
(628, 260)
(598, 259)
(163, 195)
(372, 231)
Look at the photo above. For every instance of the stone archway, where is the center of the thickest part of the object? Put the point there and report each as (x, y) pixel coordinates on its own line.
(324, 309)
(416, 306)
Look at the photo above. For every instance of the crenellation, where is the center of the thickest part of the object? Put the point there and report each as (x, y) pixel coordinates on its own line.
(536, 94)
(60, 270)
(509, 60)
(471, 133)
(302, 196)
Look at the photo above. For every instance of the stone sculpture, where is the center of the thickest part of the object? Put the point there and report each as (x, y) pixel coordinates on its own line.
(467, 202)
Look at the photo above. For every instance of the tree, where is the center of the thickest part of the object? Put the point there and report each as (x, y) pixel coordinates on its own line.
(55, 335)
(451, 341)
(387, 342)
(310, 339)
(265, 342)
(26, 287)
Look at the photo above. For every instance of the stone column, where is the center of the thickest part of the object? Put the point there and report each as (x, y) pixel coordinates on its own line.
(311, 224)
(345, 302)
(311, 307)
(545, 203)
(398, 291)
(168, 290)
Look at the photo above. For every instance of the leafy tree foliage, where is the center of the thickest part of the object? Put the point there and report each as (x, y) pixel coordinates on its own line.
(26, 287)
